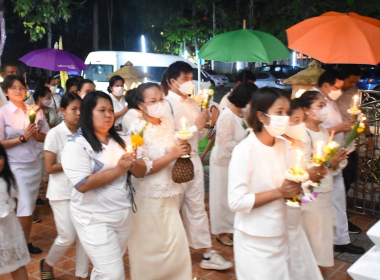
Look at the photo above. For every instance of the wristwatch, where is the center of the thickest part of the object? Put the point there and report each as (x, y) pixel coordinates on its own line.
(369, 135)
(22, 139)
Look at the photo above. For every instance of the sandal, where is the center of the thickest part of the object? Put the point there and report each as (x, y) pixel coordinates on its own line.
(46, 275)
(229, 243)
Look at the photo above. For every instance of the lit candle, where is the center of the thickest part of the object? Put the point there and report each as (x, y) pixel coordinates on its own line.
(298, 167)
(184, 121)
(364, 119)
(355, 104)
(129, 149)
(319, 147)
(32, 112)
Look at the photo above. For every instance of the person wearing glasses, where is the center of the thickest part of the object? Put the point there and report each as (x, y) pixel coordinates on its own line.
(21, 140)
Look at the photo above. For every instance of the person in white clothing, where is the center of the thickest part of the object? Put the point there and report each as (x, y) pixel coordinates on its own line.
(59, 190)
(22, 139)
(158, 247)
(330, 84)
(14, 253)
(6, 70)
(43, 99)
(257, 188)
(96, 164)
(318, 216)
(179, 80)
(230, 131)
(116, 90)
(51, 83)
(84, 87)
(134, 111)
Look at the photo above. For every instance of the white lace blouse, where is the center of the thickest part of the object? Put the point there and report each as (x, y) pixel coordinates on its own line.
(229, 132)
(158, 141)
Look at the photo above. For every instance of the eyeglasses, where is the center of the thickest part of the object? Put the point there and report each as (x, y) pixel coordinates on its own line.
(17, 88)
(154, 103)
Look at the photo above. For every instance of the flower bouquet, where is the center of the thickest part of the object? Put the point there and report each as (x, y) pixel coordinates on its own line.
(357, 129)
(137, 139)
(32, 112)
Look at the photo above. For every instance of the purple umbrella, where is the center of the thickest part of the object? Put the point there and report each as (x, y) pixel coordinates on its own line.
(54, 59)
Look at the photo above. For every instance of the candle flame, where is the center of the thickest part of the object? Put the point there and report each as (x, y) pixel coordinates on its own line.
(129, 149)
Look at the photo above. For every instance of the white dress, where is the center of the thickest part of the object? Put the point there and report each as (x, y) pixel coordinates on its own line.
(318, 216)
(230, 132)
(13, 251)
(158, 247)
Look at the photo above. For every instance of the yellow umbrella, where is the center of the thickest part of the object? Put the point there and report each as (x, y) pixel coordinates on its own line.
(63, 74)
(130, 74)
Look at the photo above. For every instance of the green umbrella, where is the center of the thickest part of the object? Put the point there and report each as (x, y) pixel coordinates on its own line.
(244, 45)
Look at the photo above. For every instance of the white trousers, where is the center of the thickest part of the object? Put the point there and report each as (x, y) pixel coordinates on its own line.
(341, 235)
(192, 204)
(104, 237)
(261, 258)
(67, 236)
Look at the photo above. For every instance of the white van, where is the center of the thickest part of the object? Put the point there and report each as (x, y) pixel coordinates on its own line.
(102, 63)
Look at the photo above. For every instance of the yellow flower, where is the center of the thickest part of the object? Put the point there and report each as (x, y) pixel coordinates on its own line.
(137, 140)
(360, 130)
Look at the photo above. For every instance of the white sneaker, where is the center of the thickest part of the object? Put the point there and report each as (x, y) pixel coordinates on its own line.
(216, 262)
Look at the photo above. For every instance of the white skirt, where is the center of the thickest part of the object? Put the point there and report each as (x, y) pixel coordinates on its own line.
(221, 217)
(13, 251)
(158, 247)
(28, 179)
(318, 223)
(261, 258)
(303, 265)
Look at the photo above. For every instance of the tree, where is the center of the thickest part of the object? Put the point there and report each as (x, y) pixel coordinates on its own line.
(2, 29)
(95, 26)
(39, 15)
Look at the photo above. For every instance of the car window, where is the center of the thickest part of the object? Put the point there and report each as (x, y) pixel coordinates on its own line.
(262, 76)
(277, 69)
(98, 72)
(266, 68)
(211, 72)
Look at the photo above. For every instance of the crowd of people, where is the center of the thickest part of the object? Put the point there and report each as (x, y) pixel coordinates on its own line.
(107, 197)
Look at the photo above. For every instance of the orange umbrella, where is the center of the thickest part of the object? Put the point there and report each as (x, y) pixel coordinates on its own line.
(337, 38)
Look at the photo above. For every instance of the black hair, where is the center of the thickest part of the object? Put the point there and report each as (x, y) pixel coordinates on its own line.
(241, 95)
(130, 98)
(6, 173)
(140, 91)
(83, 82)
(40, 92)
(164, 84)
(68, 98)
(88, 104)
(348, 70)
(71, 82)
(42, 81)
(307, 98)
(9, 80)
(329, 76)
(245, 76)
(294, 105)
(7, 64)
(175, 69)
(261, 101)
(113, 80)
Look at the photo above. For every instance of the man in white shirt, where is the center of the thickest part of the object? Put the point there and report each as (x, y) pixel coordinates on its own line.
(179, 79)
(6, 70)
(330, 84)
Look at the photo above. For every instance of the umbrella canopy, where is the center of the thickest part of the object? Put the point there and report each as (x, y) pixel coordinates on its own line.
(54, 59)
(337, 38)
(244, 45)
(130, 74)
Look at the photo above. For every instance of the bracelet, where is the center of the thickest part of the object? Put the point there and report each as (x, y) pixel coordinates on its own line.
(369, 135)
(328, 165)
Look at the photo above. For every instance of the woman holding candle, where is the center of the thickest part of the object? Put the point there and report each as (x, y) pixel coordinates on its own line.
(100, 205)
(230, 131)
(158, 247)
(318, 216)
(116, 90)
(59, 190)
(257, 188)
(20, 138)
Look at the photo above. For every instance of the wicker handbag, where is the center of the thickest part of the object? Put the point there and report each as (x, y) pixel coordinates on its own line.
(183, 170)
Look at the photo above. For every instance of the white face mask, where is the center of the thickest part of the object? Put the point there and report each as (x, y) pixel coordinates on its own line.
(335, 94)
(321, 115)
(118, 91)
(277, 125)
(186, 88)
(53, 89)
(155, 111)
(297, 131)
(47, 102)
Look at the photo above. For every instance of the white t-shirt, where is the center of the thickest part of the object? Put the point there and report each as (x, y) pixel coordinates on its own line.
(3, 98)
(59, 187)
(129, 118)
(118, 106)
(79, 161)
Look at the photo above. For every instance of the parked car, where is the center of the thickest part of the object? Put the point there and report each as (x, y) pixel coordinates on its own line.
(287, 69)
(273, 79)
(370, 79)
(215, 78)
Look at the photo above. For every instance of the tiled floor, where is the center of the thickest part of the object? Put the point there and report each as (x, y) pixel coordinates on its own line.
(44, 233)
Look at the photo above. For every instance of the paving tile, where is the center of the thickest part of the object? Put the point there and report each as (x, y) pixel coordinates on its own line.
(221, 275)
(326, 271)
(340, 276)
